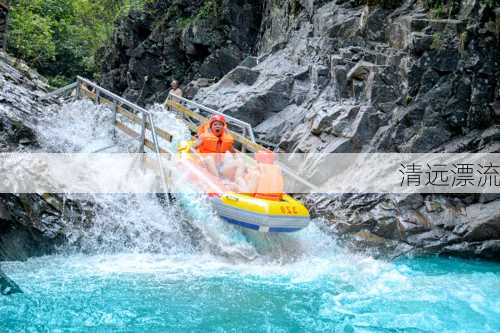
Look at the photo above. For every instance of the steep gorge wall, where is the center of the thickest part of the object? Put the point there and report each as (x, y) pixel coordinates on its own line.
(341, 76)
(181, 40)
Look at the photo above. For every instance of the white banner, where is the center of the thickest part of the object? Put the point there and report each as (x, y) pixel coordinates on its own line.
(302, 173)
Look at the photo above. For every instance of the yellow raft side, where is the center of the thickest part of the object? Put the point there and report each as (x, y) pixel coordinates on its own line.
(286, 207)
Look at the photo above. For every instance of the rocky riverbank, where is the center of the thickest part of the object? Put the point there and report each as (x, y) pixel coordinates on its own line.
(353, 76)
(30, 224)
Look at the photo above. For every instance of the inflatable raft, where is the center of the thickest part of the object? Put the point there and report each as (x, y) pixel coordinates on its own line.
(285, 215)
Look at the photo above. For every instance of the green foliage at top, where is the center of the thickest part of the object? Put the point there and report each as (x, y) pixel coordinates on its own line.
(209, 9)
(450, 8)
(61, 37)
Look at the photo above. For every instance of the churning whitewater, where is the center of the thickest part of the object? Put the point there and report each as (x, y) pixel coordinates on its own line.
(147, 266)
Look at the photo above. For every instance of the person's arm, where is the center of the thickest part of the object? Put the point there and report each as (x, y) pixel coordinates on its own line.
(196, 144)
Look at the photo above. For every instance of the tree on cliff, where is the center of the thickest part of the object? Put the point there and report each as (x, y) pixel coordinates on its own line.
(60, 37)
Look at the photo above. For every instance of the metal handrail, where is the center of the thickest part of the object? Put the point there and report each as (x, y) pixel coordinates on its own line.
(113, 96)
(286, 170)
(59, 91)
(157, 153)
(99, 91)
(242, 124)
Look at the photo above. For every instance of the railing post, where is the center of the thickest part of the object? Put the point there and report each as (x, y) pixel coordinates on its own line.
(142, 139)
(78, 92)
(167, 106)
(243, 146)
(158, 156)
(143, 133)
(115, 106)
(97, 95)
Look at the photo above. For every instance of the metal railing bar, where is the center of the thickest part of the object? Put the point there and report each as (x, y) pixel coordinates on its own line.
(295, 176)
(157, 151)
(119, 99)
(59, 91)
(207, 109)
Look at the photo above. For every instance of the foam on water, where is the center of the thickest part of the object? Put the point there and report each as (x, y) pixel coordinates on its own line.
(141, 267)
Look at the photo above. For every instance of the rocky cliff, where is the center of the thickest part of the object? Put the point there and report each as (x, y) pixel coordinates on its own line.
(30, 224)
(348, 76)
(180, 40)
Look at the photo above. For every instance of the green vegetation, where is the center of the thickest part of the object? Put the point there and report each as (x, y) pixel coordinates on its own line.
(209, 9)
(438, 40)
(408, 100)
(61, 37)
(439, 12)
(440, 9)
(294, 7)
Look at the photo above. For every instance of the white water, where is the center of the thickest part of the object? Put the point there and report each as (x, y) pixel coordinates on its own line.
(143, 267)
(138, 222)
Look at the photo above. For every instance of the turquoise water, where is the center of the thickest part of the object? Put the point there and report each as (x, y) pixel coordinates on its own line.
(183, 270)
(197, 293)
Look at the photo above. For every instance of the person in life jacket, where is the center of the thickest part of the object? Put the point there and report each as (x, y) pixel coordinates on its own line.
(265, 181)
(216, 145)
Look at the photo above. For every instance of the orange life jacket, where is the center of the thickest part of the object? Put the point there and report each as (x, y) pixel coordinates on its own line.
(212, 144)
(270, 185)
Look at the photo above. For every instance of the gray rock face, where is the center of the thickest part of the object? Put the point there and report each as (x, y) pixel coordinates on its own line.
(181, 40)
(343, 76)
(30, 224)
(338, 77)
(424, 224)
(425, 81)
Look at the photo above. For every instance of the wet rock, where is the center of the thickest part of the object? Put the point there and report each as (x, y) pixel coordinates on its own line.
(360, 71)
(420, 43)
(30, 224)
(7, 286)
(483, 224)
(29, 227)
(488, 250)
(242, 75)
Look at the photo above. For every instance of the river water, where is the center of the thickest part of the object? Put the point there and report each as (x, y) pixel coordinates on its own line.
(146, 268)
(333, 292)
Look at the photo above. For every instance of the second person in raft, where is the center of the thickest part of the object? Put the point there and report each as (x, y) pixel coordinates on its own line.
(216, 144)
(264, 180)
